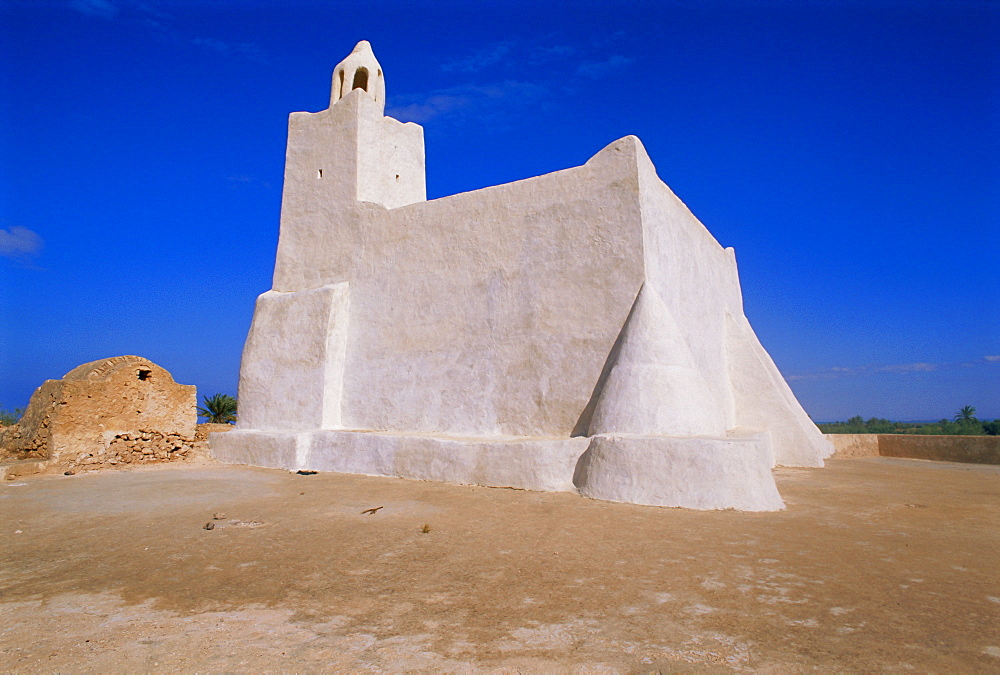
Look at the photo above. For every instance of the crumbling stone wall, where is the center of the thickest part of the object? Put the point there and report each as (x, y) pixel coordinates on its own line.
(31, 437)
(138, 446)
(119, 410)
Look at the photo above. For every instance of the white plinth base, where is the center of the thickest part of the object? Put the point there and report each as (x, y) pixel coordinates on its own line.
(530, 463)
(695, 473)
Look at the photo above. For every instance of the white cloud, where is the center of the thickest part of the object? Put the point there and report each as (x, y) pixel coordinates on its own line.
(20, 243)
(245, 49)
(812, 377)
(479, 100)
(555, 67)
(147, 13)
(598, 69)
(552, 52)
(838, 372)
(104, 9)
(513, 54)
(910, 368)
(992, 358)
(484, 58)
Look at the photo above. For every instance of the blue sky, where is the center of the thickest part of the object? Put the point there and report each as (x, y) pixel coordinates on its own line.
(849, 151)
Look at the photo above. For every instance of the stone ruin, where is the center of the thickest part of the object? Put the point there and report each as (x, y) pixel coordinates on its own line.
(580, 331)
(113, 411)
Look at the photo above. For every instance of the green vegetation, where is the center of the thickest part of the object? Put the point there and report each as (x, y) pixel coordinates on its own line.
(9, 417)
(218, 409)
(964, 423)
(966, 413)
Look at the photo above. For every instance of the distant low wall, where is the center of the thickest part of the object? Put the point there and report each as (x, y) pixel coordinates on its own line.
(854, 445)
(974, 449)
(969, 449)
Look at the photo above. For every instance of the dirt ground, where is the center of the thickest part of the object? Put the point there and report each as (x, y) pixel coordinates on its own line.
(876, 564)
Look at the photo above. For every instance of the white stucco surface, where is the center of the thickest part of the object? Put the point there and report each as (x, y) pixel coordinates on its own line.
(546, 464)
(671, 471)
(578, 323)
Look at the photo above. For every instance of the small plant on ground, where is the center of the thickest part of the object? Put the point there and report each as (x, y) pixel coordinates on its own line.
(218, 409)
(9, 417)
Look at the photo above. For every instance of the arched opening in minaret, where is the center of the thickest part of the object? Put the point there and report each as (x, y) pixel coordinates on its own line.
(340, 87)
(360, 79)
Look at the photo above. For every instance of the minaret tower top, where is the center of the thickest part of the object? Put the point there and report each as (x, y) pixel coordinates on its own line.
(360, 70)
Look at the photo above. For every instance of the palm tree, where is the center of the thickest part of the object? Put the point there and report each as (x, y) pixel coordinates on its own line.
(966, 413)
(219, 409)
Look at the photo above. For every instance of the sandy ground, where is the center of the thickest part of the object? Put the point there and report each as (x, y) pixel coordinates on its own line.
(877, 564)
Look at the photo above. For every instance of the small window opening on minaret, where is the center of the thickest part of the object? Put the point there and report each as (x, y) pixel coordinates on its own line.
(144, 374)
(397, 177)
(340, 89)
(360, 79)
(319, 173)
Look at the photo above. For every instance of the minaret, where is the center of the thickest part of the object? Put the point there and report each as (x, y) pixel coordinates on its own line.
(390, 154)
(360, 70)
(338, 160)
